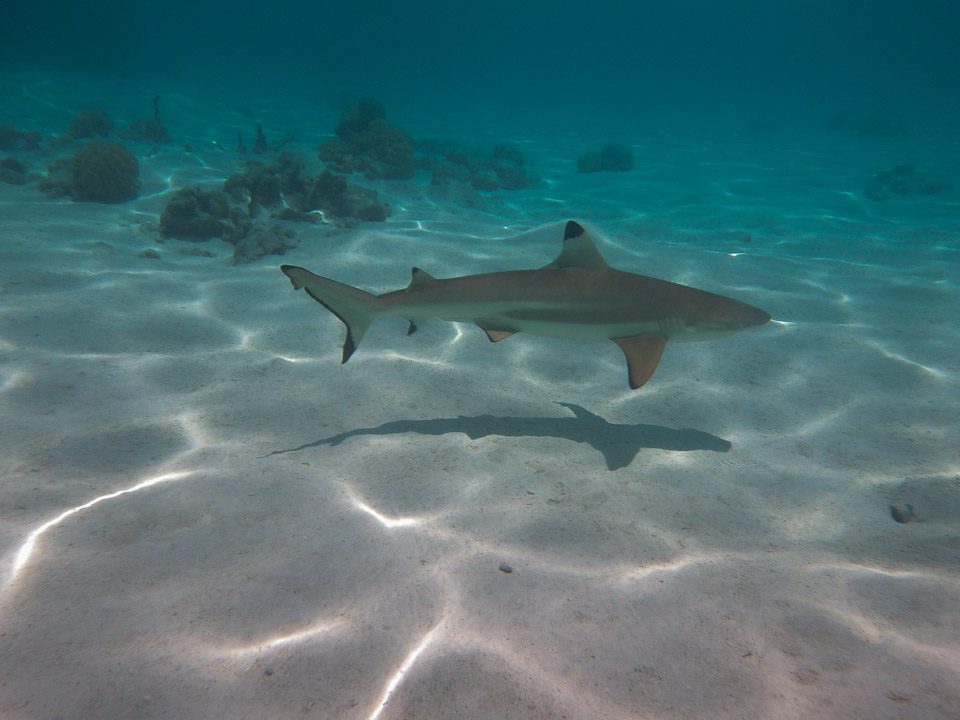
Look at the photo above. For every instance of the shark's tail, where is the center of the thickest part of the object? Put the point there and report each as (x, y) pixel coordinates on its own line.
(355, 308)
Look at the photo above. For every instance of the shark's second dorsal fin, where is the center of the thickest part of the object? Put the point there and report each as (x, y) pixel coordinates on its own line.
(419, 278)
(578, 250)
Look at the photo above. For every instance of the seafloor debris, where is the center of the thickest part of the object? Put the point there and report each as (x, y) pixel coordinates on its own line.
(906, 514)
(366, 142)
(148, 129)
(282, 188)
(450, 164)
(13, 139)
(611, 157)
(197, 214)
(274, 240)
(882, 122)
(903, 180)
(88, 123)
(13, 171)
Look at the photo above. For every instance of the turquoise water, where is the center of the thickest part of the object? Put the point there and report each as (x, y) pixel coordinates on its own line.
(204, 514)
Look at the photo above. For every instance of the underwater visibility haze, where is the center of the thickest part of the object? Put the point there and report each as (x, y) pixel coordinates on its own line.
(206, 512)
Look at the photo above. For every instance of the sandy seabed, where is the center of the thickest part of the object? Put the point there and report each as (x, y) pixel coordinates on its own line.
(205, 515)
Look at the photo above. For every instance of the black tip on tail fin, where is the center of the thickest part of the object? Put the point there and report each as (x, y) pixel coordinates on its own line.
(349, 346)
(355, 308)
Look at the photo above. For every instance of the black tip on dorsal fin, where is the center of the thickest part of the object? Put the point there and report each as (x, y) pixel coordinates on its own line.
(572, 230)
(578, 250)
(419, 278)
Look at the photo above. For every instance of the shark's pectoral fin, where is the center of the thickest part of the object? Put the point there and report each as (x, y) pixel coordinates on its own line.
(496, 335)
(643, 354)
(493, 334)
(495, 330)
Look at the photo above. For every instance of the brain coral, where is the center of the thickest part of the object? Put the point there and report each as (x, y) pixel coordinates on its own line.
(103, 171)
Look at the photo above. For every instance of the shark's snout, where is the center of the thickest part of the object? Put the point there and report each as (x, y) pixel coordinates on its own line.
(758, 317)
(743, 315)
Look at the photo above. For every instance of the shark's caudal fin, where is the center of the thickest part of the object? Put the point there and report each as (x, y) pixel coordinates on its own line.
(355, 308)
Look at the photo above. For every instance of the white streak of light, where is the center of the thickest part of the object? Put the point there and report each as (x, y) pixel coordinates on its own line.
(383, 519)
(407, 664)
(26, 550)
(320, 628)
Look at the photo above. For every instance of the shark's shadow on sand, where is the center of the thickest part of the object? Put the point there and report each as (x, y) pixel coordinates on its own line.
(619, 444)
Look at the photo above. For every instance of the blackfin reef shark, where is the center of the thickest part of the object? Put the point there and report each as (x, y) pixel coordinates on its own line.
(577, 297)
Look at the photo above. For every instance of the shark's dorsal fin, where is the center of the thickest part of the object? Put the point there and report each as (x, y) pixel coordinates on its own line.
(419, 278)
(578, 250)
(643, 354)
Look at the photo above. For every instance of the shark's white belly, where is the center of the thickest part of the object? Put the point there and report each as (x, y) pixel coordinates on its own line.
(555, 323)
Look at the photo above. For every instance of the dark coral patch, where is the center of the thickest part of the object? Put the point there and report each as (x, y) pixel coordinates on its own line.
(87, 123)
(13, 139)
(367, 142)
(611, 157)
(903, 180)
(195, 214)
(103, 171)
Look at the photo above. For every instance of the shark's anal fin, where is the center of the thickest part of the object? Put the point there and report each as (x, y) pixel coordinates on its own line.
(643, 354)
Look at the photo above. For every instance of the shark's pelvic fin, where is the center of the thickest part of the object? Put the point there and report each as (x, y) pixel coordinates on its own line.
(643, 354)
(578, 250)
(355, 308)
